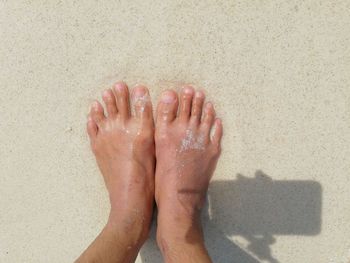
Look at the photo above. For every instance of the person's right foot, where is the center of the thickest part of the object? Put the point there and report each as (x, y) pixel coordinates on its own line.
(187, 150)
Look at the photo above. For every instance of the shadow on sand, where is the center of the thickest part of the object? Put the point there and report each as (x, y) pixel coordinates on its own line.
(256, 209)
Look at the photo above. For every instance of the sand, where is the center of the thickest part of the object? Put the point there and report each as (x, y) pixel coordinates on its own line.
(277, 71)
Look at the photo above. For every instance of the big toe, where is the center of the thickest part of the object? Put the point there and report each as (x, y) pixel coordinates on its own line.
(142, 103)
(167, 107)
(121, 92)
(91, 128)
(97, 113)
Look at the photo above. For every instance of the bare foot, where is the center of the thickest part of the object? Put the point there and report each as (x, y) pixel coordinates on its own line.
(187, 150)
(124, 148)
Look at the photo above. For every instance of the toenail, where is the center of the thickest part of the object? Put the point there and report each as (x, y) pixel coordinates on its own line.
(208, 106)
(95, 105)
(168, 97)
(199, 94)
(119, 86)
(187, 90)
(106, 94)
(139, 91)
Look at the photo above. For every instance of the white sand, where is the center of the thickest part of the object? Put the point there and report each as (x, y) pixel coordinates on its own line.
(277, 71)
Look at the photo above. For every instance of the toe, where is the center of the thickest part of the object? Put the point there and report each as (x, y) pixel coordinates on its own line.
(122, 97)
(142, 103)
(97, 113)
(217, 132)
(109, 100)
(91, 128)
(167, 107)
(197, 106)
(208, 118)
(186, 96)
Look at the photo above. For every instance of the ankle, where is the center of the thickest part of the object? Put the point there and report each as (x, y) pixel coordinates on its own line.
(181, 242)
(132, 230)
(179, 227)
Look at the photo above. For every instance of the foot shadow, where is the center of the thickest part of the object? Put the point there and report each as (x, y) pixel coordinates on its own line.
(256, 209)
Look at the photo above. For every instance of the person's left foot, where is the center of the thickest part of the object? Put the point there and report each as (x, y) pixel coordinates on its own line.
(124, 148)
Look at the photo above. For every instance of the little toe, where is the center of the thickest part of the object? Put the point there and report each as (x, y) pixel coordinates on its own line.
(208, 118)
(91, 128)
(167, 107)
(217, 132)
(121, 92)
(142, 103)
(197, 106)
(109, 100)
(97, 113)
(186, 96)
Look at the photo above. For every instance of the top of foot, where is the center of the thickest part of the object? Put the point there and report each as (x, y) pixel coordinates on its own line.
(123, 144)
(187, 147)
(187, 142)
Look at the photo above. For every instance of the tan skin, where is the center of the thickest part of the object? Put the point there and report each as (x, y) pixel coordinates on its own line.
(126, 147)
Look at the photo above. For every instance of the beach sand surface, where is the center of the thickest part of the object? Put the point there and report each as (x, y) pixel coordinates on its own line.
(277, 72)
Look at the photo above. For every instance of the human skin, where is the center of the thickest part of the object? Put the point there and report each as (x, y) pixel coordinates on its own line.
(125, 147)
(187, 139)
